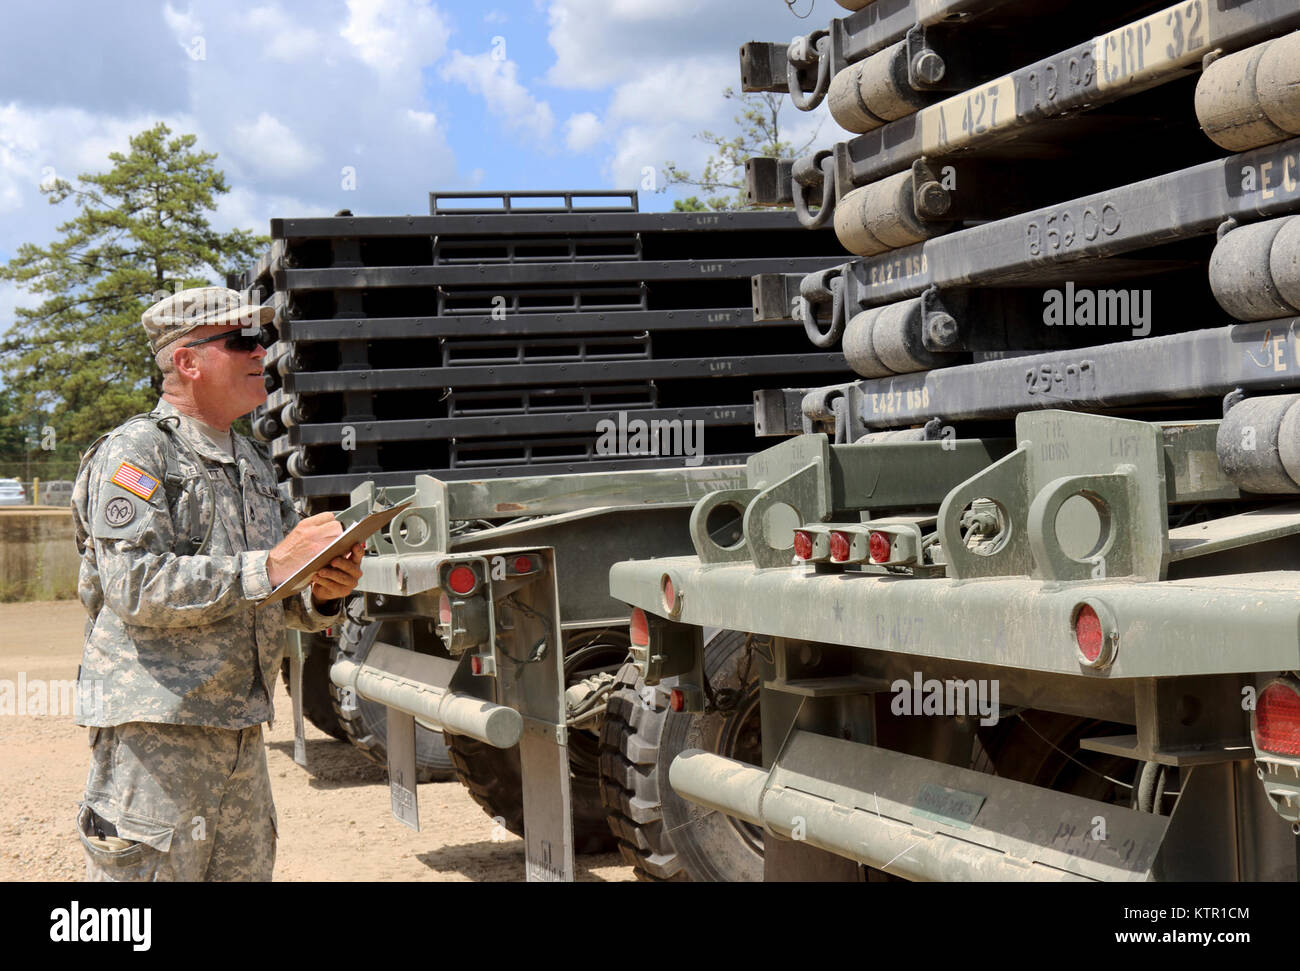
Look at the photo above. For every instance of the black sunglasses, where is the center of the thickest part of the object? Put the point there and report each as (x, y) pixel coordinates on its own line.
(236, 340)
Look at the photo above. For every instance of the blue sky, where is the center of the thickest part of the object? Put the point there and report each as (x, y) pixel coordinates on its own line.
(407, 95)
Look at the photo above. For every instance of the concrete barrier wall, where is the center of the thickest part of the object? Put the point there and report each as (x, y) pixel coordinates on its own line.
(38, 557)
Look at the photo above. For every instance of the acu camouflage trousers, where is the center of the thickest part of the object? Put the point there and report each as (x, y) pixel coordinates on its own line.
(177, 802)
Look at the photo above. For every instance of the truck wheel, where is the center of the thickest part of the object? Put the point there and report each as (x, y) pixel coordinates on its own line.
(365, 723)
(660, 834)
(317, 705)
(493, 775)
(1042, 749)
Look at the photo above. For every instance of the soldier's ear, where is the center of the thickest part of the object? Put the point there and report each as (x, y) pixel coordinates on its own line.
(186, 361)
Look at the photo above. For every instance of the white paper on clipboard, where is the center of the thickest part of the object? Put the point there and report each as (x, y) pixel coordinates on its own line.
(358, 532)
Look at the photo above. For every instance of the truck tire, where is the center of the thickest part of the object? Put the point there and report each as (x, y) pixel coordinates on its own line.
(664, 837)
(365, 723)
(317, 705)
(493, 775)
(1042, 748)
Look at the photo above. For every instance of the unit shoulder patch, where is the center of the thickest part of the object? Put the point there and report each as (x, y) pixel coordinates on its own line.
(135, 480)
(119, 511)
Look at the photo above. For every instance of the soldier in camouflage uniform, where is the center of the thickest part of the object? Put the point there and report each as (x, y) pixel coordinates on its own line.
(182, 532)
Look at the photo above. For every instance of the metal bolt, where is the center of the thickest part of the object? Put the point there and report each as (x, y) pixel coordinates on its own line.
(942, 329)
(932, 200)
(928, 67)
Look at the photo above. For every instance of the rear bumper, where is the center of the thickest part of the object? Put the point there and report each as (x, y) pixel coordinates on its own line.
(1213, 625)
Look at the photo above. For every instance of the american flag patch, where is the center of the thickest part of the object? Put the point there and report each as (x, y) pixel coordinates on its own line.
(136, 481)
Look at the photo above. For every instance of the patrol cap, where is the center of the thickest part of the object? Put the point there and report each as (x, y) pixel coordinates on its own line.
(173, 317)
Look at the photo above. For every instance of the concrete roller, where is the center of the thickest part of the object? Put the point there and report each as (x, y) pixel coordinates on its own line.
(896, 338)
(266, 428)
(1284, 261)
(845, 102)
(1252, 97)
(819, 404)
(1255, 270)
(873, 91)
(850, 225)
(1278, 83)
(858, 348)
(1257, 444)
(876, 218)
(299, 464)
(889, 211)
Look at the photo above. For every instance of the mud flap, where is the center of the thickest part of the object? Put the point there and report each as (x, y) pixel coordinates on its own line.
(401, 768)
(530, 666)
(548, 803)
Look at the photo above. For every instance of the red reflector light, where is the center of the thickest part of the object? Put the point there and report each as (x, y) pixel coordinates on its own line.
(523, 564)
(670, 595)
(1277, 719)
(462, 580)
(329, 632)
(880, 547)
(676, 699)
(444, 610)
(803, 544)
(839, 545)
(1087, 631)
(639, 628)
(476, 665)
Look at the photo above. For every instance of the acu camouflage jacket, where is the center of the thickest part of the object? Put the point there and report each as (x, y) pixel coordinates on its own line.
(173, 635)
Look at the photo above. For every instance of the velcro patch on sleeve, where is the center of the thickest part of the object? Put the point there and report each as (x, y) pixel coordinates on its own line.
(135, 480)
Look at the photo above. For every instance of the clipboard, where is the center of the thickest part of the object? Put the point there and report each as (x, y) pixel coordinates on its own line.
(358, 532)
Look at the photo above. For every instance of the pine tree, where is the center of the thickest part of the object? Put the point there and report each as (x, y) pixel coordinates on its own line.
(759, 124)
(80, 362)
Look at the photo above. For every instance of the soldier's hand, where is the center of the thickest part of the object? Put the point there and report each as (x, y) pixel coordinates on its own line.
(304, 541)
(340, 577)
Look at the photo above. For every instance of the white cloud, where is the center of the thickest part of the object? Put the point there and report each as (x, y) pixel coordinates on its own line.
(664, 64)
(495, 17)
(581, 131)
(284, 130)
(185, 25)
(287, 39)
(497, 81)
(392, 35)
(244, 208)
(591, 37)
(681, 91)
(425, 121)
(11, 297)
(268, 145)
(37, 144)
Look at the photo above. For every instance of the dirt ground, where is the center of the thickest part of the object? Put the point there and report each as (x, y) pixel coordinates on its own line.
(335, 821)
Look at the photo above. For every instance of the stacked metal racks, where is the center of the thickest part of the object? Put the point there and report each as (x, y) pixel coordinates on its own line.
(494, 336)
(1054, 204)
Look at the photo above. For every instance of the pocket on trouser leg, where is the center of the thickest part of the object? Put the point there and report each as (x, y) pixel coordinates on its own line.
(113, 859)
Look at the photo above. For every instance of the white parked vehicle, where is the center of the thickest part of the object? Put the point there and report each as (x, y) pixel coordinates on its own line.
(56, 493)
(12, 493)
